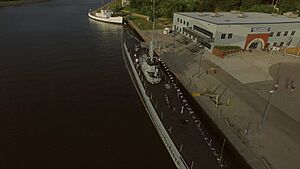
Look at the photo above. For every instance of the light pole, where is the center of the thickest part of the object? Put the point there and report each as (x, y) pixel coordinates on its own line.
(200, 61)
(222, 149)
(298, 45)
(272, 92)
(273, 51)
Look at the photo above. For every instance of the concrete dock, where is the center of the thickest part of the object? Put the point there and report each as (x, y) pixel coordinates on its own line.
(263, 126)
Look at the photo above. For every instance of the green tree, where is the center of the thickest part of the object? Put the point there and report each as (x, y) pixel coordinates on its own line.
(261, 8)
(206, 5)
(229, 5)
(250, 3)
(167, 8)
(287, 5)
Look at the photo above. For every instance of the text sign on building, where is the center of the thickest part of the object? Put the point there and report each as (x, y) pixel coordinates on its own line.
(260, 29)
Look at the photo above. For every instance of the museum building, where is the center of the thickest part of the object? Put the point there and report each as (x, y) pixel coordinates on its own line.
(251, 30)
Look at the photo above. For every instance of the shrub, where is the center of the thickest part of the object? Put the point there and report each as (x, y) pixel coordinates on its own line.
(224, 48)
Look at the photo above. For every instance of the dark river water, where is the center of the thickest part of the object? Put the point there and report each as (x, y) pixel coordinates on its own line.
(66, 98)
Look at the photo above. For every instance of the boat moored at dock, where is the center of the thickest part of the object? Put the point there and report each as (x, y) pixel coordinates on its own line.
(176, 123)
(105, 15)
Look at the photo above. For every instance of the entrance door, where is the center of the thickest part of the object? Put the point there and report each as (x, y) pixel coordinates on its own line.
(256, 45)
(256, 41)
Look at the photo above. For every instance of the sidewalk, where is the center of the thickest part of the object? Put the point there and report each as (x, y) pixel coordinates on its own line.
(276, 143)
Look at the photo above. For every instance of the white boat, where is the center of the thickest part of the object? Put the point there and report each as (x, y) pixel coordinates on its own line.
(105, 15)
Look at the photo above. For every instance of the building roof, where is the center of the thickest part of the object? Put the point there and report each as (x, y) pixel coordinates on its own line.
(228, 18)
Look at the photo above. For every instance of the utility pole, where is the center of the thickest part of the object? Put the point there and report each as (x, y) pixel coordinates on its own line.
(200, 61)
(153, 25)
(276, 2)
(273, 51)
(151, 48)
(273, 2)
(275, 5)
(298, 47)
(222, 149)
(272, 92)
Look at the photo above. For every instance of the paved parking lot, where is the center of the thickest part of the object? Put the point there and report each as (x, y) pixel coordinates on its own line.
(251, 67)
(261, 71)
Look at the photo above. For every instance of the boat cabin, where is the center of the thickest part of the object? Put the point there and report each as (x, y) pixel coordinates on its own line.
(106, 13)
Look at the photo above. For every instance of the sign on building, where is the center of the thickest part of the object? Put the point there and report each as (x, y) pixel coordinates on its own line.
(260, 29)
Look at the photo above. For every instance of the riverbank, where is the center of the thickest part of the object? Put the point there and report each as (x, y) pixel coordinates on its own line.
(238, 114)
(17, 3)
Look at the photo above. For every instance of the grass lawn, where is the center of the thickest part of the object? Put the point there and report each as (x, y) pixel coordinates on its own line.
(112, 4)
(293, 51)
(143, 24)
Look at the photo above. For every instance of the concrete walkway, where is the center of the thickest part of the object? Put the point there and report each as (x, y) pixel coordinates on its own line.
(251, 67)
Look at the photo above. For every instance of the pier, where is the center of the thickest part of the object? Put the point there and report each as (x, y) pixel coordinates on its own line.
(220, 146)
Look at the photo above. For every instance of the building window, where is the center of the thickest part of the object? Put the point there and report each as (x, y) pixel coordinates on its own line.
(187, 23)
(278, 33)
(184, 22)
(271, 34)
(230, 36)
(223, 36)
(177, 19)
(293, 33)
(274, 44)
(180, 20)
(204, 31)
(179, 29)
(286, 33)
(206, 45)
(281, 43)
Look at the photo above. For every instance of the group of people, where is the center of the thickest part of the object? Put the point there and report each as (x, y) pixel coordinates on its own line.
(289, 85)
